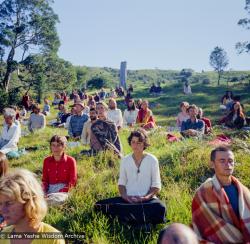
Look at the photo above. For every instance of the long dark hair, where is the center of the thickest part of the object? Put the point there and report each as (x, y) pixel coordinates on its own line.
(132, 108)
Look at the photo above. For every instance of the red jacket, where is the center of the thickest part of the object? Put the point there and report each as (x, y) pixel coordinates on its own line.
(63, 171)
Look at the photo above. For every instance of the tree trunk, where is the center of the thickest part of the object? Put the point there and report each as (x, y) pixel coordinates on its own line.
(219, 75)
(9, 70)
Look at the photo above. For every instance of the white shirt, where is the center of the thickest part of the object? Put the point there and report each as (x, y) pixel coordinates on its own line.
(129, 117)
(12, 135)
(139, 184)
(115, 115)
(85, 137)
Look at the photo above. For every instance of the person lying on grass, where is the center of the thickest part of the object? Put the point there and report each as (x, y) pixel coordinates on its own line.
(23, 207)
(192, 127)
(221, 205)
(138, 184)
(59, 171)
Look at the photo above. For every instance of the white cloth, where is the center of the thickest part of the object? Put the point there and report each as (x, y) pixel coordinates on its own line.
(36, 121)
(187, 89)
(139, 183)
(85, 137)
(12, 135)
(129, 117)
(115, 115)
(66, 125)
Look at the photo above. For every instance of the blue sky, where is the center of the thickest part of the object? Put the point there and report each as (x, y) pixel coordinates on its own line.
(166, 34)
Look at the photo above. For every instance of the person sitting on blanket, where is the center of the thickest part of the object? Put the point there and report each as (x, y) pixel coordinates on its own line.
(104, 133)
(23, 207)
(207, 121)
(221, 205)
(145, 117)
(192, 127)
(177, 233)
(138, 184)
(11, 132)
(77, 121)
(183, 115)
(37, 120)
(59, 171)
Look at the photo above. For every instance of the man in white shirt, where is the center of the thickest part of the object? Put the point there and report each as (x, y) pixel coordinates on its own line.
(139, 182)
(115, 114)
(11, 132)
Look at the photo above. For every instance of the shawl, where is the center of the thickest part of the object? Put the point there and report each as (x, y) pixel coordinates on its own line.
(213, 217)
(144, 117)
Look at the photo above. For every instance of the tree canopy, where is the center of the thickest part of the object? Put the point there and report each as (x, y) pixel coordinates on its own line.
(26, 25)
(219, 61)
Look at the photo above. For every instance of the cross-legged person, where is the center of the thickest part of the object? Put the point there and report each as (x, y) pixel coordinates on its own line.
(37, 120)
(59, 172)
(221, 205)
(192, 127)
(138, 184)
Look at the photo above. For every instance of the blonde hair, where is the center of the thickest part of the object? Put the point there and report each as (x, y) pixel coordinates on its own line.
(22, 186)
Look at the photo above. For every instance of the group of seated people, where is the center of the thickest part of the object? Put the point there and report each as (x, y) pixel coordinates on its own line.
(154, 90)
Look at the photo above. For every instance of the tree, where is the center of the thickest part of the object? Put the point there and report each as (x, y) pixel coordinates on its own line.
(26, 24)
(97, 82)
(245, 23)
(219, 61)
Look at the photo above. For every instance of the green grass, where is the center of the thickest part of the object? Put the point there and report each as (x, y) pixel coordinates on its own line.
(184, 166)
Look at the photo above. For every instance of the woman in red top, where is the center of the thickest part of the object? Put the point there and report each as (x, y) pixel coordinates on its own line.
(59, 171)
(145, 117)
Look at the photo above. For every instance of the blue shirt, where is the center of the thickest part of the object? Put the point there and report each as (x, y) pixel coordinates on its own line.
(197, 125)
(76, 124)
(232, 193)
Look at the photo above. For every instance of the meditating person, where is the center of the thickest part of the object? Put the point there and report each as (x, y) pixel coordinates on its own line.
(236, 118)
(46, 107)
(104, 133)
(57, 99)
(86, 131)
(63, 117)
(207, 121)
(59, 172)
(102, 94)
(37, 120)
(97, 97)
(77, 121)
(183, 115)
(145, 117)
(177, 233)
(138, 103)
(11, 132)
(221, 205)
(139, 183)
(192, 127)
(187, 88)
(23, 207)
(130, 114)
(227, 98)
(114, 113)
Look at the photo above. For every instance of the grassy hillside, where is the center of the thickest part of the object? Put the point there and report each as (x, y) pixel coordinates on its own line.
(184, 166)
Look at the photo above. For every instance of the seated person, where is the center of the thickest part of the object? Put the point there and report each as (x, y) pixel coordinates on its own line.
(57, 99)
(72, 112)
(97, 97)
(11, 132)
(145, 117)
(86, 131)
(208, 124)
(59, 171)
(102, 94)
(187, 88)
(46, 108)
(130, 114)
(104, 133)
(37, 120)
(183, 115)
(192, 127)
(138, 184)
(221, 205)
(138, 103)
(227, 98)
(114, 113)
(23, 207)
(130, 88)
(236, 118)
(152, 88)
(158, 89)
(64, 116)
(177, 234)
(77, 121)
